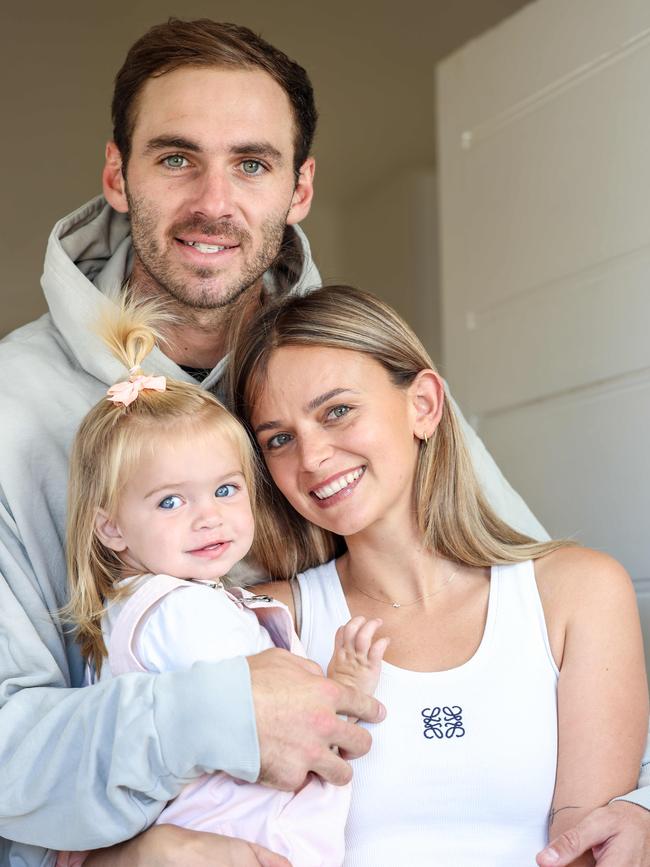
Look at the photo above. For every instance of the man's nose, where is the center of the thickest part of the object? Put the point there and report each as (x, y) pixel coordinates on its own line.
(213, 194)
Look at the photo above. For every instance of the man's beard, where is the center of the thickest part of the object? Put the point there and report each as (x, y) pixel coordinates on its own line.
(190, 289)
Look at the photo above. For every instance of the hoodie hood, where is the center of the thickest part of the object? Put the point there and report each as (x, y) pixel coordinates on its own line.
(89, 256)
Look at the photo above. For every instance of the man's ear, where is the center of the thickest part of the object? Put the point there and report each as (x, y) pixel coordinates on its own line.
(303, 192)
(427, 395)
(108, 533)
(113, 180)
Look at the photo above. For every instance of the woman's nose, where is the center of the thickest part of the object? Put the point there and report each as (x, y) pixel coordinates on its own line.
(315, 448)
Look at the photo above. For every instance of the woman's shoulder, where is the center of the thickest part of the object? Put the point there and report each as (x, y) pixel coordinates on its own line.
(280, 590)
(581, 579)
(585, 594)
(283, 591)
(573, 564)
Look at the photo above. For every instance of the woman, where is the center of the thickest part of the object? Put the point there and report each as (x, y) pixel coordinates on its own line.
(514, 680)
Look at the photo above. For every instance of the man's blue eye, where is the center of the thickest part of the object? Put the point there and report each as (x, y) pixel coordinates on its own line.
(172, 502)
(175, 161)
(252, 167)
(225, 491)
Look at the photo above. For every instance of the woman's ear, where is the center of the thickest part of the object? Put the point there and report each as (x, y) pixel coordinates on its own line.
(108, 533)
(427, 394)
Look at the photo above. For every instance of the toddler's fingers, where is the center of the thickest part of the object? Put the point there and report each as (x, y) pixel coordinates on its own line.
(377, 650)
(349, 632)
(338, 639)
(365, 635)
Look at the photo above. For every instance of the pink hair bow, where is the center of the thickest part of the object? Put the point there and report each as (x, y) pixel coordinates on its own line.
(127, 391)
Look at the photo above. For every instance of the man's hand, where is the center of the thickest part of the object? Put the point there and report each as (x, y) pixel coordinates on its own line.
(168, 846)
(296, 711)
(618, 835)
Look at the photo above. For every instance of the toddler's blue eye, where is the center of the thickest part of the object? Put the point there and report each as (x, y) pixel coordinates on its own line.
(225, 491)
(172, 502)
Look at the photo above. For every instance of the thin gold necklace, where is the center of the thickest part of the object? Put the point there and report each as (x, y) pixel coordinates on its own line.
(397, 604)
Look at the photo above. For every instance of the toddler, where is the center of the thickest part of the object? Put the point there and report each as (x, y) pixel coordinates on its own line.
(161, 484)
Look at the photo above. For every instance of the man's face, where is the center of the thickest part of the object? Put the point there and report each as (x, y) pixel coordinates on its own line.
(210, 184)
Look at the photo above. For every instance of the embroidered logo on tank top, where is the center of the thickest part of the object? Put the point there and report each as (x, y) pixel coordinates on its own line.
(443, 722)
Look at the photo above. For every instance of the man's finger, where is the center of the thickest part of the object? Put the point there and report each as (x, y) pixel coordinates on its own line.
(351, 740)
(592, 831)
(354, 703)
(268, 859)
(331, 768)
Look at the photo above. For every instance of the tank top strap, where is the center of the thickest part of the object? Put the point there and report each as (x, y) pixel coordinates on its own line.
(520, 614)
(324, 609)
(121, 655)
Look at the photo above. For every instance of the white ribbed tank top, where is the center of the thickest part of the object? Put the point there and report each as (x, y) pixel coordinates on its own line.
(461, 773)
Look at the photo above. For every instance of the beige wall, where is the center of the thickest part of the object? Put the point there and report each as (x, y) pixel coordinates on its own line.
(373, 71)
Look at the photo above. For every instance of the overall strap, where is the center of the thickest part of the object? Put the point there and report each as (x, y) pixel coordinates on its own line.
(294, 585)
(121, 654)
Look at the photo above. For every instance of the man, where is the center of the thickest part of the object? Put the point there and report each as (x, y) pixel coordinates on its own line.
(210, 161)
(208, 174)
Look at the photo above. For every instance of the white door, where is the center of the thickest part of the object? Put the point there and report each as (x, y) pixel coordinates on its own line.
(544, 172)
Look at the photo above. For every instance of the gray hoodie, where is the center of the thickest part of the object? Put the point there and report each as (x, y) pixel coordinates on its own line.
(83, 768)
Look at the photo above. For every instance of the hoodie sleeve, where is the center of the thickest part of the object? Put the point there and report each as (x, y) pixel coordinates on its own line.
(88, 767)
(641, 796)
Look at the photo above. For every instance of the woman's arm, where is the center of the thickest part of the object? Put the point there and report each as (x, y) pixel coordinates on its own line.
(595, 634)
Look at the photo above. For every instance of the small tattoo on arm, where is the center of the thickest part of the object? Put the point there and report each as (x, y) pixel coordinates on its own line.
(554, 813)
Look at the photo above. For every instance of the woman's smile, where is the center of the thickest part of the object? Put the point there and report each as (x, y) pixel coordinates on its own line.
(338, 438)
(338, 486)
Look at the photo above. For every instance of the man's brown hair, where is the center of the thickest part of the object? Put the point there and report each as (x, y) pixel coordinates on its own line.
(204, 42)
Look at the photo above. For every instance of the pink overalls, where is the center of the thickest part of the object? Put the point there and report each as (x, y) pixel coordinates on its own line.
(307, 826)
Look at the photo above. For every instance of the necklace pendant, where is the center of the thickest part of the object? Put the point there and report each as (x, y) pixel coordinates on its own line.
(396, 605)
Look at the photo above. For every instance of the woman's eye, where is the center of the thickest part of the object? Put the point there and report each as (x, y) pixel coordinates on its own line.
(172, 502)
(338, 411)
(175, 161)
(252, 167)
(226, 491)
(278, 440)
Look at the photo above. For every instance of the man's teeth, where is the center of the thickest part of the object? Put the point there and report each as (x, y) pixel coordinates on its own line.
(206, 248)
(338, 484)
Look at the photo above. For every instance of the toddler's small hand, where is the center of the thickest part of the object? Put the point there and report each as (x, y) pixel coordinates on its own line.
(357, 655)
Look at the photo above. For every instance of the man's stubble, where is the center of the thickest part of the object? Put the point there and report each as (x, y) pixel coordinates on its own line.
(192, 287)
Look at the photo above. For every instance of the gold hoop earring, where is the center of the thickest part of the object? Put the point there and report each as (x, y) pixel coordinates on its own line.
(425, 437)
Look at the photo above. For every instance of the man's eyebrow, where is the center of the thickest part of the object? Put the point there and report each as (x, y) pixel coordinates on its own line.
(313, 404)
(161, 142)
(258, 149)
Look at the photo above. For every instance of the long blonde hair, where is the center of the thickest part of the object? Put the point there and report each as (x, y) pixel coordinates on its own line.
(109, 444)
(453, 516)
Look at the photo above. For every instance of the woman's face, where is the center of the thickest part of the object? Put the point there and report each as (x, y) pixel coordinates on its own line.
(338, 438)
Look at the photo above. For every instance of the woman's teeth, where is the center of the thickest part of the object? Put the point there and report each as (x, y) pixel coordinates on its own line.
(338, 484)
